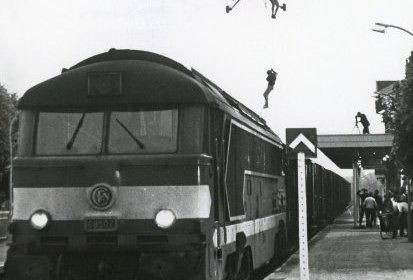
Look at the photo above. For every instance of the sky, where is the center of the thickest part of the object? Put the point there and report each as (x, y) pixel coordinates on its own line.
(327, 58)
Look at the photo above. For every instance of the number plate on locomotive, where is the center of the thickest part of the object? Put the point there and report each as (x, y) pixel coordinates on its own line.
(97, 224)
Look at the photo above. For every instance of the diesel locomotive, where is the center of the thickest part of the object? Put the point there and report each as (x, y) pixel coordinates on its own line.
(132, 166)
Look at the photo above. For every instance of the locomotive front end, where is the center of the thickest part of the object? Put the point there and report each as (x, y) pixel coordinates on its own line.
(112, 176)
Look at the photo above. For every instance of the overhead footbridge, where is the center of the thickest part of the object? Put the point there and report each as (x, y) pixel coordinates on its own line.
(349, 150)
(343, 148)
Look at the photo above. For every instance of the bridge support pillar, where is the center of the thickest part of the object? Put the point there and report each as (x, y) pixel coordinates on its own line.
(355, 187)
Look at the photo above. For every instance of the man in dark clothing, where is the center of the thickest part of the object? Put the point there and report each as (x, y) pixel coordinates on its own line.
(379, 200)
(275, 6)
(271, 78)
(362, 194)
(364, 121)
(389, 213)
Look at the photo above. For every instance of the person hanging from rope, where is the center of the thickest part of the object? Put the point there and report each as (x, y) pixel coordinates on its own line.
(271, 78)
(274, 9)
(275, 6)
(364, 121)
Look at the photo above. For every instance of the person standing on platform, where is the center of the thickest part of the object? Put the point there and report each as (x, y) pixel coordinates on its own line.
(379, 200)
(389, 212)
(370, 207)
(362, 194)
(403, 210)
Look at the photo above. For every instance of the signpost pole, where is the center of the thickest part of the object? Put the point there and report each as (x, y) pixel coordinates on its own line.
(303, 142)
(354, 194)
(358, 201)
(302, 220)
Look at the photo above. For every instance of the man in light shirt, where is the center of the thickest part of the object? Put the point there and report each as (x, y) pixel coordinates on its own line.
(370, 207)
(403, 210)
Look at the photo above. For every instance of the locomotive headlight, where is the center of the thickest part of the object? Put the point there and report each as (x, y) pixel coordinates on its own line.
(39, 219)
(165, 219)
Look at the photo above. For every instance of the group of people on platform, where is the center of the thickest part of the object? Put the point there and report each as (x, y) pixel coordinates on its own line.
(395, 207)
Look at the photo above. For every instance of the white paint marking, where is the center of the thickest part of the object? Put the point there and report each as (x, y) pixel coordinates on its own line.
(301, 138)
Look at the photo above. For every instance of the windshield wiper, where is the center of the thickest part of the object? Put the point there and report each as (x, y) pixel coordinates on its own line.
(137, 141)
(69, 144)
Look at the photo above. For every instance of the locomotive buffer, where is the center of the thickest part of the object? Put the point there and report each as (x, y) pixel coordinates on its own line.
(302, 143)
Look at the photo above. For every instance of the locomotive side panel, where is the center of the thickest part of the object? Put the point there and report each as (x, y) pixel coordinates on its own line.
(255, 191)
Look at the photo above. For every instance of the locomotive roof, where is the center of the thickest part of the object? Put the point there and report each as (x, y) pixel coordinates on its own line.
(71, 89)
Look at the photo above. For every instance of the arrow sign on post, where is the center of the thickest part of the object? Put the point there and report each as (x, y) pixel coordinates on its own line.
(303, 143)
(302, 139)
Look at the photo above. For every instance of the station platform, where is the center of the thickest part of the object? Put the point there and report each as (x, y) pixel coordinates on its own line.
(340, 252)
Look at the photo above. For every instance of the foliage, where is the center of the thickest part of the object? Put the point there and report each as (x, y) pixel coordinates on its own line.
(397, 111)
(389, 103)
(403, 127)
(8, 110)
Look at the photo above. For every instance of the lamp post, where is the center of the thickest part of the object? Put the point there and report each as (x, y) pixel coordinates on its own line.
(381, 28)
(378, 28)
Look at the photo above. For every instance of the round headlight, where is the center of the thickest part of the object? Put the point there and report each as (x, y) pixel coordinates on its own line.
(39, 219)
(165, 219)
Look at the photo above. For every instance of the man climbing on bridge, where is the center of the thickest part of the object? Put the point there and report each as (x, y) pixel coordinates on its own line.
(364, 121)
(271, 78)
(275, 6)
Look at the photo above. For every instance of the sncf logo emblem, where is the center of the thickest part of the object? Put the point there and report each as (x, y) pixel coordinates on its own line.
(101, 197)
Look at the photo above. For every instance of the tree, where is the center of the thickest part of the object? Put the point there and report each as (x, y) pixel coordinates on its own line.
(403, 121)
(397, 111)
(8, 110)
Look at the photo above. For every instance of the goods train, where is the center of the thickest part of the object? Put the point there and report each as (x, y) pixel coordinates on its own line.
(131, 166)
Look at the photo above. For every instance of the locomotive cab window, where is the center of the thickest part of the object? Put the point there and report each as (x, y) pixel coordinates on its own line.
(150, 131)
(69, 133)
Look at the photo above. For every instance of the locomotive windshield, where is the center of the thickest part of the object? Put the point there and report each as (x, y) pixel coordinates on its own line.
(81, 133)
(143, 132)
(69, 133)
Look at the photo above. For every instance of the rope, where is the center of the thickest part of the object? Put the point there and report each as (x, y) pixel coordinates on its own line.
(273, 45)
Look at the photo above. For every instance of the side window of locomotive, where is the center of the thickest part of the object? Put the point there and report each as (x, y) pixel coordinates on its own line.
(143, 132)
(236, 166)
(69, 133)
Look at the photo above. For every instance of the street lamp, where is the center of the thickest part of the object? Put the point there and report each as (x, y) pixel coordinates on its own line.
(381, 28)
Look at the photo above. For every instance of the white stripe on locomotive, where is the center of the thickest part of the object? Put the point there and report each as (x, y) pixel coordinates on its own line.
(132, 202)
(250, 228)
